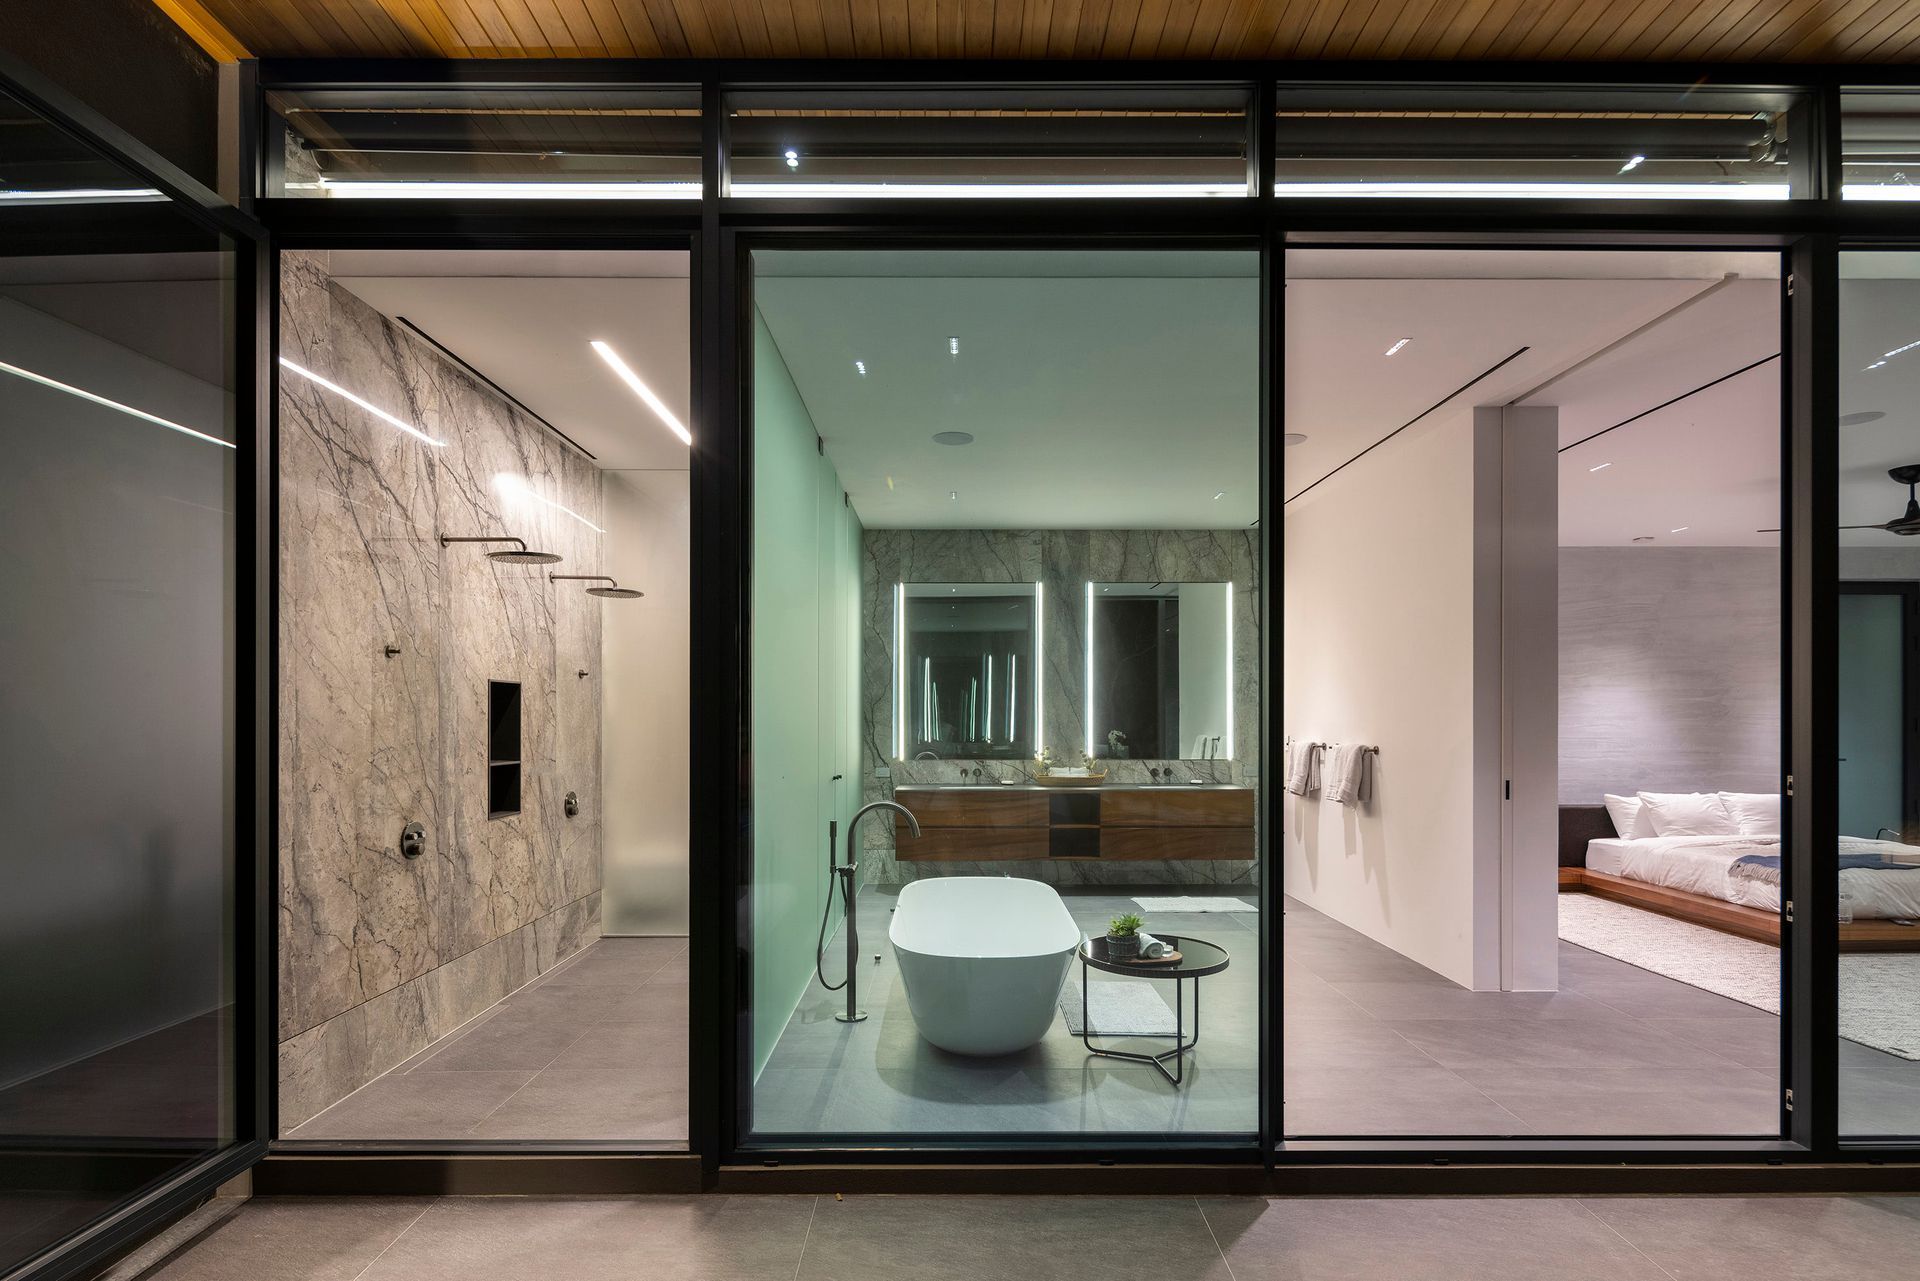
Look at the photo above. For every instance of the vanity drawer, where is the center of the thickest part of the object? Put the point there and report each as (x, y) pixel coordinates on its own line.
(1176, 842)
(1177, 807)
(978, 844)
(970, 807)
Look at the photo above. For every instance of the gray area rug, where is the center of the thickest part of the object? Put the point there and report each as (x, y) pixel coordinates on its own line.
(1879, 991)
(1117, 1007)
(1195, 903)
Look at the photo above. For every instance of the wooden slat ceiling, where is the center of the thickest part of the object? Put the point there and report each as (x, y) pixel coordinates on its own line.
(1862, 31)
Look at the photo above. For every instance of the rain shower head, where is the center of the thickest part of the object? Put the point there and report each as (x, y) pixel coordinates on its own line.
(613, 590)
(520, 556)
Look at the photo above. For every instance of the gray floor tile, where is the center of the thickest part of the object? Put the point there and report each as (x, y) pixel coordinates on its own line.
(615, 1239)
(417, 1105)
(1806, 1238)
(1419, 1000)
(1564, 1044)
(506, 1042)
(1752, 1043)
(1401, 1101)
(624, 1045)
(297, 1239)
(596, 1103)
(663, 1006)
(1008, 1239)
(1458, 1239)
(1729, 1100)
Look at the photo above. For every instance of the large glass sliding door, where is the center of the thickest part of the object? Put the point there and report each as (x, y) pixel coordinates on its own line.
(123, 771)
(1006, 586)
(1533, 609)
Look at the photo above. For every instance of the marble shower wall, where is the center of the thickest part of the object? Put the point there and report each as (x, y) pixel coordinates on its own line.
(1065, 560)
(381, 955)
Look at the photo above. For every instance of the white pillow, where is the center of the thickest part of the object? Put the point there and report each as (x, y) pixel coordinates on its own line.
(1689, 814)
(1630, 817)
(1754, 813)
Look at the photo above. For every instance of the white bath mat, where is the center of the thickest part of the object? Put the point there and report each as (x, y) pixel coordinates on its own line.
(1879, 991)
(1195, 903)
(1117, 1007)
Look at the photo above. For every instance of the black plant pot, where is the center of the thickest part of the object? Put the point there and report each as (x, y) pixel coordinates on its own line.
(1123, 947)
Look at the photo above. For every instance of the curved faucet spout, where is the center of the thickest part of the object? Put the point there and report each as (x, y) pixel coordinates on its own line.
(853, 824)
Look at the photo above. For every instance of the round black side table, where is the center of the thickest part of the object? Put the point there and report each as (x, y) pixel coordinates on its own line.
(1198, 958)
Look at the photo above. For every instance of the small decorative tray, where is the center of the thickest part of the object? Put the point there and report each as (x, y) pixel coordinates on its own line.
(1171, 958)
(1071, 780)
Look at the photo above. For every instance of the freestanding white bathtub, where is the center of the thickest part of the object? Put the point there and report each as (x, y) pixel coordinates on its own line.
(983, 958)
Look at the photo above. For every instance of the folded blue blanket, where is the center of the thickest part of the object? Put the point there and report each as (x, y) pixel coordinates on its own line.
(1766, 867)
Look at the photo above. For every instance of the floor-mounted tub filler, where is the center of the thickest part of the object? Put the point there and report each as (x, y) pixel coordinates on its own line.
(983, 958)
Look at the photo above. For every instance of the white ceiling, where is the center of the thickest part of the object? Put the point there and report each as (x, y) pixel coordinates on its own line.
(1094, 401)
(525, 319)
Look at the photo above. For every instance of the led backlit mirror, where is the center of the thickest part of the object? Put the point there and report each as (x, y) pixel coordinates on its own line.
(1159, 674)
(966, 663)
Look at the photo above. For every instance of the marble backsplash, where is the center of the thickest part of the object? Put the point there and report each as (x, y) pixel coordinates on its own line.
(1064, 560)
(387, 642)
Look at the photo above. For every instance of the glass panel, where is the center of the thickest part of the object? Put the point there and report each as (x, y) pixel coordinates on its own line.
(484, 143)
(955, 142)
(1160, 670)
(1533, 610)
(952, 451)
(1517, 141)
(117, 497)
(1879, 144)
(1877, 696)
(484, 605)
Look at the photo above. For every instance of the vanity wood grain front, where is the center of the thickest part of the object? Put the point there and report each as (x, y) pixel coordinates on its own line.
(1028, 821)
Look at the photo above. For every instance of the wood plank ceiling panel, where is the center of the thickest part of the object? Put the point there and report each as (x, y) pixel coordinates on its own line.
(1704, 31)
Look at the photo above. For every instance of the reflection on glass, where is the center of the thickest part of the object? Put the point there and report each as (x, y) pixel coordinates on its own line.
(1877, 672)
(1160, 670)
(118, 761)
(968, 669)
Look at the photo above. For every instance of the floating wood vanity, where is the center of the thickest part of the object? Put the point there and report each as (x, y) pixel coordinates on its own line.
(1028, 821)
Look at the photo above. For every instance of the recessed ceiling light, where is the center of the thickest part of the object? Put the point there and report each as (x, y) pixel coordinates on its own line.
(793, 158)
(1294, 438)
(1683, 529)
(953, 438)
(954, 495)
(644, 392)
(861, 365)
(953, 346)
(1601, 467)
(1397, 346)
(155, 419)
(1864, 416)
(1217, 497)
(1633, 162)
(1644, 538)
(1901, 350)
(889, 482)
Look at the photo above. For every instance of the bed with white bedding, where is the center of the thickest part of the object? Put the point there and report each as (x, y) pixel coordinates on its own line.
(1714, 858)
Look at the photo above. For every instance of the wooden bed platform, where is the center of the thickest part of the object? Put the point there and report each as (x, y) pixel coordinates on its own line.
(1700, 909)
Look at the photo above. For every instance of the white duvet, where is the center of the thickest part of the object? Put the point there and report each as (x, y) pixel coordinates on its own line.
(1700, 865)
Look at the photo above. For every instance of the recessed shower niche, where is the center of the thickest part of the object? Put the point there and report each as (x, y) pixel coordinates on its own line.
(503, 748)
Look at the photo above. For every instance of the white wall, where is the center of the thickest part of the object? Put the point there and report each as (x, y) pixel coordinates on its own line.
(1396, 597)
(645, 704)
(1377, 580)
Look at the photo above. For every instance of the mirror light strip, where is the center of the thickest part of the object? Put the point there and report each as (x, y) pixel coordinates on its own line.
(83, 195)
(1039, 667)
(644, 392)
(1089, 670)
(142, 414)
(1877, 191)
(1228, 754)
(365, 404)
(985, 190)
(400, 190)
(1546, 190)
(899, 671)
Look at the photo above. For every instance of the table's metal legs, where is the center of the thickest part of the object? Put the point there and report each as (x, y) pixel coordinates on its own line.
(1181, 1042)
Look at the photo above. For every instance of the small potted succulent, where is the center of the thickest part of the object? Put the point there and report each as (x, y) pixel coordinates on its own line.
(1123, 937)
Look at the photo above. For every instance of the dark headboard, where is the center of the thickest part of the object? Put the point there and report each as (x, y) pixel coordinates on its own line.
(1578, 825)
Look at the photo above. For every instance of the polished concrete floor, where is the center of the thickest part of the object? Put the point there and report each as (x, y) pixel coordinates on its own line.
(1375, 1045)
(595, 1049)
(880, 1077)
(875, 1238)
